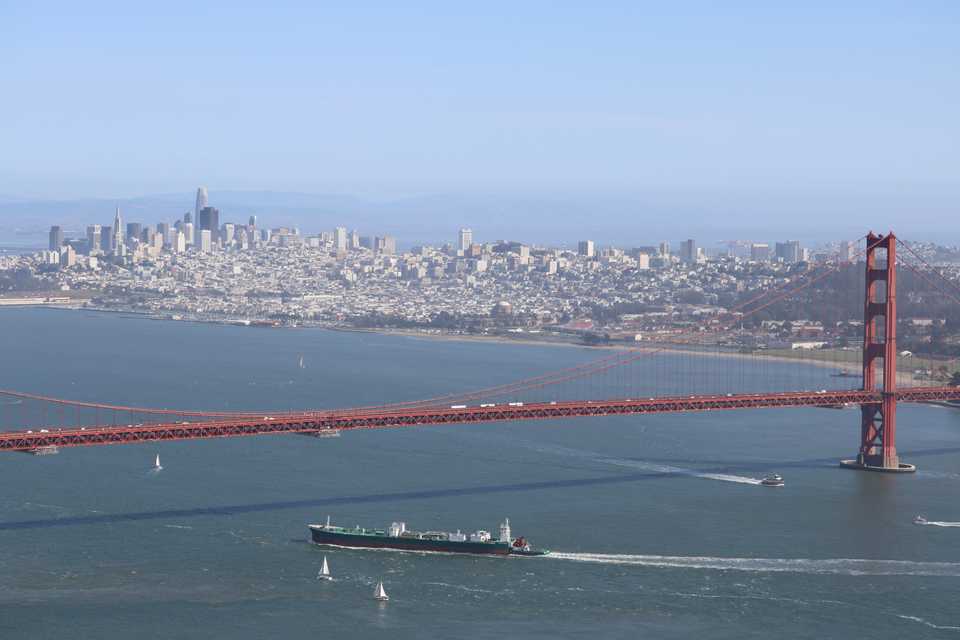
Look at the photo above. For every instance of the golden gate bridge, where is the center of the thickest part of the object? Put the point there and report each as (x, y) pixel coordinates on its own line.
(639, 381)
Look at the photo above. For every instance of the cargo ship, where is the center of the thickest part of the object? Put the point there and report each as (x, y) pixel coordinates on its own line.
(397, 536)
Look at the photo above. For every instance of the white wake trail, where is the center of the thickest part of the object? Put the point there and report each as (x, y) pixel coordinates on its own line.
(939, 523)
(835, 566)
(693, 473)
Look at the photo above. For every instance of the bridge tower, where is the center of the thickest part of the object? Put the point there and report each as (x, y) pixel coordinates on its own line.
(878, 420)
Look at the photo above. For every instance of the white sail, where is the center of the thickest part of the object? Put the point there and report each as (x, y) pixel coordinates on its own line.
(156, 464)
(380, 593)
(324, 571)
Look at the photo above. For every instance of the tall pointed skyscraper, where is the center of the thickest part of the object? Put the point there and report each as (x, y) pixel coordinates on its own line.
(201, 202)
(117, 243)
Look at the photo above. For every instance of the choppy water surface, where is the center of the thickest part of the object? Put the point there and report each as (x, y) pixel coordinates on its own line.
(659, 526)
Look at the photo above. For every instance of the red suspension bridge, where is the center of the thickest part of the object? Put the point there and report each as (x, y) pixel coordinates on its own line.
(647, 380)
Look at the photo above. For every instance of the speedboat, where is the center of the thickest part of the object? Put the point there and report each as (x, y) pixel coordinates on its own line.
(919, 520)
(774, 480)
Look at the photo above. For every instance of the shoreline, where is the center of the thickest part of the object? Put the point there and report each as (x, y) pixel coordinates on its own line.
(524, 339)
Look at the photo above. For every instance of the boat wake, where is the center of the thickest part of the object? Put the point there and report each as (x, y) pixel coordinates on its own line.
(938, 523)
(927, 623)
(834, 566)
(680, 471)
(645, 466)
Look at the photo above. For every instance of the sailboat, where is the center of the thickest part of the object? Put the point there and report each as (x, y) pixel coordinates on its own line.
(156, 464)
(301, 362)
(324, 573)
(380, 594)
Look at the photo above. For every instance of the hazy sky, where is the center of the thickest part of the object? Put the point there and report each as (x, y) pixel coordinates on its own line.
(759, 98)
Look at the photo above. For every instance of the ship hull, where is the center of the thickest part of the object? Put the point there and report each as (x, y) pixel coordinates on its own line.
(336, 539)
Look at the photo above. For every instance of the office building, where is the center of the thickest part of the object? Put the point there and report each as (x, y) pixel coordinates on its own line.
(206, 240)
(209, 220)
(688, 251)
(340, 239)
(760, 252)
(586, 248)
(56, 238)
(789, 252)
(180, 242)
(134, 229)
(848, 250)
(117, 246)
(201, 203)
(465, 239)
(93, 239)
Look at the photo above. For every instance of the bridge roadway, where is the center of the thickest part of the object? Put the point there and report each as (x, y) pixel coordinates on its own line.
(316, 423)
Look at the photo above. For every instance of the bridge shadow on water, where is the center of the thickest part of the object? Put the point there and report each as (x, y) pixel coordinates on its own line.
(238, 509)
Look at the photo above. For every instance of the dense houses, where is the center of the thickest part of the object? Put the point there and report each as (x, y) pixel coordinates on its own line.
(245, 274)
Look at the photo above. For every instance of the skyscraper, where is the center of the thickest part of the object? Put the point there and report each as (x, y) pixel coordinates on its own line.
(340, 238)
(209, 219)
(586, 248)
(789, 252)
(117, 245)
(163, 230)
(465, 239)
(134, 229)
(93, 239)
(688, 251)
(56, 238)
(201, 203)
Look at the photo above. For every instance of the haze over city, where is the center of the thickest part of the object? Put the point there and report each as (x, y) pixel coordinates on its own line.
(630, 116)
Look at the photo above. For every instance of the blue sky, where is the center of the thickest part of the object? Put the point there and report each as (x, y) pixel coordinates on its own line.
(702, 99)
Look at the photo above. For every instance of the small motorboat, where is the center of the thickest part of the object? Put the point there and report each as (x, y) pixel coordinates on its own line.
(773, 480)
(324, 573)
(919, 520)
(380, 594)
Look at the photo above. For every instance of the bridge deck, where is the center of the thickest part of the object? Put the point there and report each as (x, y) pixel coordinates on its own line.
(343, 420)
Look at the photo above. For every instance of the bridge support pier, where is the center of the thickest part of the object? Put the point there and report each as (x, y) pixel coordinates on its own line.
(878, 421)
